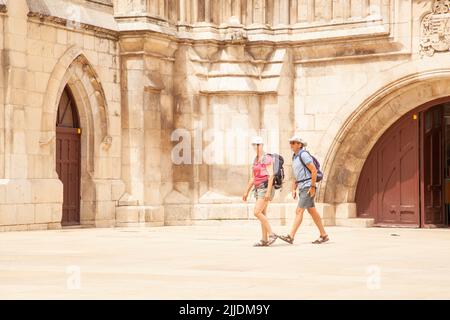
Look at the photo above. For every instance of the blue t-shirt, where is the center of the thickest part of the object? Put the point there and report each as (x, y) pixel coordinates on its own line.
(301, 172)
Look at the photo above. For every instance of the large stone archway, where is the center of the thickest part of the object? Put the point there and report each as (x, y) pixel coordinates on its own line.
(365, 125)
(74, 71)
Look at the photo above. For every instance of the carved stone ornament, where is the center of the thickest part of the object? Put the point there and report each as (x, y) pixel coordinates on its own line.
(107, 141)
(236, 36)
(435, 29)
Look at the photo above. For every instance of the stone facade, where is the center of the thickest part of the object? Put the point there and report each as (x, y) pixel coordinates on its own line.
(145, 74)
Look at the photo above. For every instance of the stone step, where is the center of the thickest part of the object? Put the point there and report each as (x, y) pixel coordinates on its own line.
(133, 216)
(355, 222)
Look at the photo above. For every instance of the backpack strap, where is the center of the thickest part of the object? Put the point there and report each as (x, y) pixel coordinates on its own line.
(304, 165)
(301, 160)
(263, 158)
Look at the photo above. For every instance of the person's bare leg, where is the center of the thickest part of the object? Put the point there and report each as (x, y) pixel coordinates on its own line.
(297, 222)
(260, 206)
(317, 220)
(263, 229)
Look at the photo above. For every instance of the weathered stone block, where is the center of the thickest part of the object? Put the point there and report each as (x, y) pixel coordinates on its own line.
(177, 213)
(8, 214)
(346, 210)
(46, 190)
(43, 213)
(154, 215)
(25, 213)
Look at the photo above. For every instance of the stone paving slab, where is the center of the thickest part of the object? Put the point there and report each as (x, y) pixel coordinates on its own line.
(219, 262)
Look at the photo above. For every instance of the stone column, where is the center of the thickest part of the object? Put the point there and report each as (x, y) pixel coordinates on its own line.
(208, 11)
(226, 10)
(357, 8)
(215, 11)
(182, 17)
(270, 8)
(323, 10)
(338, 9)
(284, 12)
(194, 10)
(162, 9)
(152, 8)
(188, 9)
(281, 12)
(182, 194)
(276, 12)
(375, 7)
(147, 100)
(259, 12)
(249, 13)
(346, 9)
(133, 153)
(366, 8)
(293, 12)
(311, 10)
(236, 9)
(303, 10)
(385, 9)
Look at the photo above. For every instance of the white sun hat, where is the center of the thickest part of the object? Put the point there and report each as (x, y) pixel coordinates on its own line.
(257, 140)
(299, 140)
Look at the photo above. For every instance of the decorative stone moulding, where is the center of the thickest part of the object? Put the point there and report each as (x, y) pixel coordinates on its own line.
(435, 29)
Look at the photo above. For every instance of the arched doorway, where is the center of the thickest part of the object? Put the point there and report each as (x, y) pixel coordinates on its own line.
(68, 156)
(405, 180)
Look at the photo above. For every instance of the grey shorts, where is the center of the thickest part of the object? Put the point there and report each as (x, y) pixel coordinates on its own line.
(304, 199)
(260, 193)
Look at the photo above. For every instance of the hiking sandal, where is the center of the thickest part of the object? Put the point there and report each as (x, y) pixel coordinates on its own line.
(272, 238)
(321, 239)
(287, 238)
(260, 243)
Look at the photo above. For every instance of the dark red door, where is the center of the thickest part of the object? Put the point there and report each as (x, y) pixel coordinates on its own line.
(432, 170)
(68, 169)
(68, 157)
(388, 189)
(398, 175)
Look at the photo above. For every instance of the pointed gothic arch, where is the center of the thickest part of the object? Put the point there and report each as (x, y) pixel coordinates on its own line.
(74, 72)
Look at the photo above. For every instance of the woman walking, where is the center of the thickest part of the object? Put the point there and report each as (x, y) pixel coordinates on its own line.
(262, 183)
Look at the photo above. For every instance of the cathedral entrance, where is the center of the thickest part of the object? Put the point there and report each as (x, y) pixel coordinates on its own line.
(405, 180)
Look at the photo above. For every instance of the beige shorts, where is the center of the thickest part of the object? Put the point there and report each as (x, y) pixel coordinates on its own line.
(260, 193)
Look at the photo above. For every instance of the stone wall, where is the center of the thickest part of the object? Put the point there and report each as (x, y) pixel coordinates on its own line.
(42, 53)
(148, 74)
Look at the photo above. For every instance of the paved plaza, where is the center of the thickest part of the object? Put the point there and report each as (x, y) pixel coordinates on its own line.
(219, 262)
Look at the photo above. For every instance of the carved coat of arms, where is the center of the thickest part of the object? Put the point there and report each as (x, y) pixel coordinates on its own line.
(435, 29)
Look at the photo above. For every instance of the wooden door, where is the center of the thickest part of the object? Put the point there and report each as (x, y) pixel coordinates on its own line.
(68, 158)
(432, 167)
(388, 188)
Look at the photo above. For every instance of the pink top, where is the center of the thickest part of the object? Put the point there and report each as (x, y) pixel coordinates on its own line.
(260, 173)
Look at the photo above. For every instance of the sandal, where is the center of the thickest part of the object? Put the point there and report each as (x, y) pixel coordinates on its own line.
(322, 239)
(260, 243)
(287, 238)
(272, 238)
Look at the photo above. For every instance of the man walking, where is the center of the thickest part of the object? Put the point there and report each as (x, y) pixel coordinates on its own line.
(305, 175)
